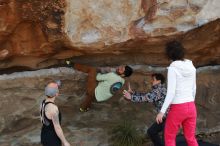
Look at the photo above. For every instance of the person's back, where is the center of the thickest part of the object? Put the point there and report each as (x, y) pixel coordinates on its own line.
(48, 132)
(103, 90)
(181, 90)
(185, 81)
(51, 132)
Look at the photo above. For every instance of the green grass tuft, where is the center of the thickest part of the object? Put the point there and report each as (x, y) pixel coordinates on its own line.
(125, 134)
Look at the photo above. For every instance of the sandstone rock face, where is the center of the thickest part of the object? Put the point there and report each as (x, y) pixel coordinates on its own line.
(109, 22)
(45, 32)
(37, 34)
(101, 21)
(21, 94)
(207, 78)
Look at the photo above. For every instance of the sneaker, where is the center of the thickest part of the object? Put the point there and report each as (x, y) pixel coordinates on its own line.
(83, 110)
(69, 63)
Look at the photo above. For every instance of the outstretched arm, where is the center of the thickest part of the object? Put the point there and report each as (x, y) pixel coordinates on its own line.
(118, 93)
(57, 127)
(140, 96)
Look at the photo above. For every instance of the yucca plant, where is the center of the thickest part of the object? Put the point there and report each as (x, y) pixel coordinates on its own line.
(125, 134)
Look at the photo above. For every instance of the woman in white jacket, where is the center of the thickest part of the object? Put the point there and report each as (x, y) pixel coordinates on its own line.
(181, 90)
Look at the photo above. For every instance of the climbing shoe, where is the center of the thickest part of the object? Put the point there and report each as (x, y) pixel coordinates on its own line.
(69, 63)
(83, 110)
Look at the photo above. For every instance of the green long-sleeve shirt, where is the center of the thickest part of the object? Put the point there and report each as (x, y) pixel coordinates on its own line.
(103, 90)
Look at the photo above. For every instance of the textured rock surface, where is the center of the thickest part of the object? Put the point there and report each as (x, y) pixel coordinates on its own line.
(37, 34)
(112, 22)
(21, 93)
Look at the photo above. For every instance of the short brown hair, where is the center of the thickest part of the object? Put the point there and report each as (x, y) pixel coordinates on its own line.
(159, 76)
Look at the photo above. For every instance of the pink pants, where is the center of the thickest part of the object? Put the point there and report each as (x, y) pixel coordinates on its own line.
(181, 114)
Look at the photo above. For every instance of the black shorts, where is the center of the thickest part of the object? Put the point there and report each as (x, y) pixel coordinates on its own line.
(49, 138)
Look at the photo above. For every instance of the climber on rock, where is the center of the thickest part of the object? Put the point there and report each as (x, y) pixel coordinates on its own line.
(102, 83)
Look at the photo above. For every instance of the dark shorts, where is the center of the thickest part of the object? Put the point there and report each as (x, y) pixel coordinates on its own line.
(49, 138)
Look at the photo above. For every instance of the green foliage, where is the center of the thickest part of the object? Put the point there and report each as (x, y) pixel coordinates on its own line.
(125, 134)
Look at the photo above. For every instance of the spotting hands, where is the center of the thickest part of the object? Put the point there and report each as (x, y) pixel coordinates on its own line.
(129, 88)
(127, 93)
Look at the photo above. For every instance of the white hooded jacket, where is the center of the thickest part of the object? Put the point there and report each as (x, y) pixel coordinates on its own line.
(181, 86)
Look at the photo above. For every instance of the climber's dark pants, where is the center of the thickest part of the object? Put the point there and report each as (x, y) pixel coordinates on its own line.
(90, 85)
